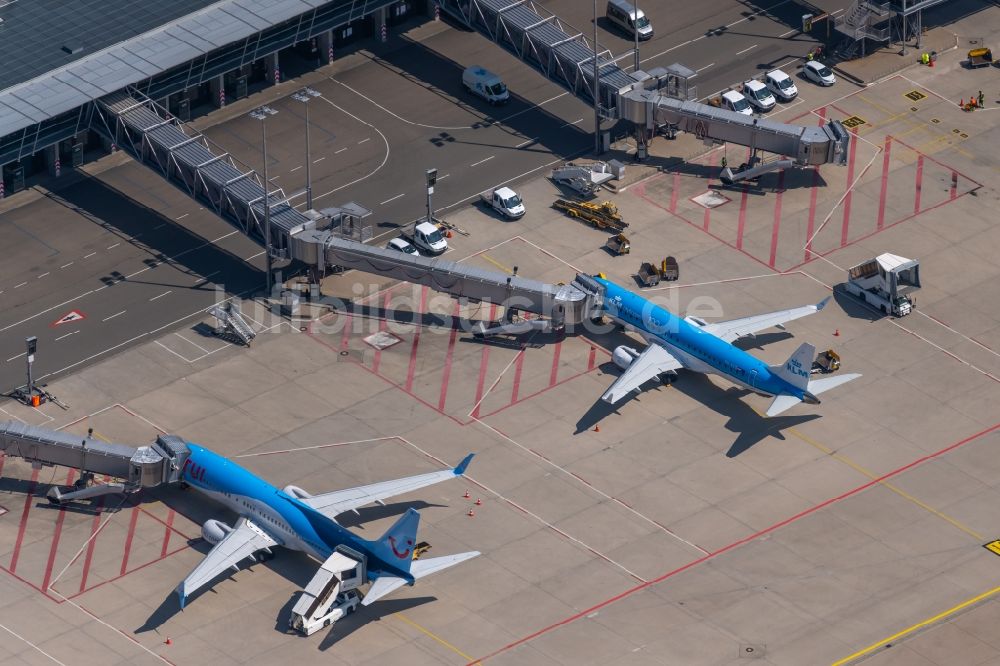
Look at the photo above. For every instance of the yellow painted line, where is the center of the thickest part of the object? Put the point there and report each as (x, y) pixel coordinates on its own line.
(920, 625)
(429, 633)
(899, 491)
(496, 263)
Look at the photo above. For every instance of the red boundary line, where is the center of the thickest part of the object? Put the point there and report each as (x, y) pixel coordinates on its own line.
(166, 534)
(673, 195)
(92, 544)
(554, 375)
(735, 544)
(54, 548)
(484, 363)
(411, 370)
(29, 496)
(886, 150)
(447, 363)
(850, 188)
(777, 219)
(128, 539)
(918, 184)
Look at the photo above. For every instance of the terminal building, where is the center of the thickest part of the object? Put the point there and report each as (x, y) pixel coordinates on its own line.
(190, 55)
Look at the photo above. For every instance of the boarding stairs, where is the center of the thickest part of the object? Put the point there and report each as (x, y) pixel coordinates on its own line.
(863, 20)
(230, 322)
(585, 179)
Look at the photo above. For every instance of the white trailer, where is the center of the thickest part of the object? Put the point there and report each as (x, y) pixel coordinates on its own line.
(885, 282)
(330, 595)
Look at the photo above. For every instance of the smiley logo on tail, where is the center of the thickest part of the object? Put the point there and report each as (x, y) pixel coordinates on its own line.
(400, 554)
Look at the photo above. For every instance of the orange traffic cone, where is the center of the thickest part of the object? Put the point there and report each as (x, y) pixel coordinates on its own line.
(836, 333)
(168, 641)
(471, 513)
(961, 103)
(597, 428)
(466, 495)
(479, 502)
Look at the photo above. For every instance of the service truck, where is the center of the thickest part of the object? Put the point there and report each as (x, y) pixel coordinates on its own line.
(504, 201)
(427, 238)
(885, 282)
(481, 81)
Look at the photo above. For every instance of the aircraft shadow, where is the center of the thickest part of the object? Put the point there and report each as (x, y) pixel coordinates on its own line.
(373, 513)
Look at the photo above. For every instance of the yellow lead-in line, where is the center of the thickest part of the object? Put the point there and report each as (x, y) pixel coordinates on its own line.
(429, 633)
(920, 625)
(496, 263)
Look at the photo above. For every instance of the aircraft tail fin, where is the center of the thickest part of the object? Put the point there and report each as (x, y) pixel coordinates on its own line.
(797, 368)
(814, 387)
(397, 544)
(383, 585)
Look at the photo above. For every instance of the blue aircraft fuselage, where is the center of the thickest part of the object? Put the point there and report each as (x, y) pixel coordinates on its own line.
(697, 349)
(293, 522)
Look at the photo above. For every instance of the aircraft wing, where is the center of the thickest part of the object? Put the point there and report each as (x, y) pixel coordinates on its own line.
(333, 504)
(245, 540)
(737, 328)
(653, 361)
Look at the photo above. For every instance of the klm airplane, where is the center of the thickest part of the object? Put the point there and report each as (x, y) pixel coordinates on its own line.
(674, 343)
(293, 518)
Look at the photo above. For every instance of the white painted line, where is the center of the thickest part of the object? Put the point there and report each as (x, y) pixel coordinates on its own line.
(67, 335)
(786, 34)
(159, 225)
(525, 143)
(111, 247)
(448, 174)
(66, 265)
(25, 640)
(317, 161)
(836, 11)
(483, 161)
(205, 278)
(363, 140)
(392, 199)
(749, 48)
(578, 120)
(337, 152)
(705, 67)
(114, 315)
(254, 256)
(14, 358)
(295, 169)
(18, 286)
(178, 218)
(42, 275)
(162, 295)
(90, 255)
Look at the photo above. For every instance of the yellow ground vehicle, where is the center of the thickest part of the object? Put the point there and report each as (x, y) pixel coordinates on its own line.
(603, 216)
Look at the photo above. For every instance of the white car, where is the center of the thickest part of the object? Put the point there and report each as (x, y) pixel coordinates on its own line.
(758, 95)
(403, 245)
(735, 101)
(819, 73)
(781, 85)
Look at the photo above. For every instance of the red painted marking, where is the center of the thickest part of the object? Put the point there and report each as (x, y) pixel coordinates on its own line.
(128, 539)
(447, 363)
(346, 337)
(518, 366)
(55, 538)
(708, 181)
(555, 364)
(743, 218)
(954, 185)
(885, 182)
(99, 508)
(777, 218)
(24, 520)
(850, 187)
(416, 341)
(813, 192)
(733, 545)
(484, 363)
(166, 533)
(674, 194)
(592, 360)
(382, 327)
(919, 184)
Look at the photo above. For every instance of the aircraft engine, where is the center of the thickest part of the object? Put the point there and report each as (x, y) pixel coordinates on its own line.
(623, 356)
(295, 492)
(215, 531)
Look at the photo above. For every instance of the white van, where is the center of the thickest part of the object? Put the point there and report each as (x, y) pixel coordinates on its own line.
(735, 101)
(759, 95)
(624, 15)
(781, 85)
(480, 81)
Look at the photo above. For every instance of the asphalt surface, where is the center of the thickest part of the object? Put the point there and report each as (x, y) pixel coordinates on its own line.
(133, 255)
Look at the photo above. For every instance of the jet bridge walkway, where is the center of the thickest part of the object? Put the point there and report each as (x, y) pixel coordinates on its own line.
(648, 100)
(139, 467)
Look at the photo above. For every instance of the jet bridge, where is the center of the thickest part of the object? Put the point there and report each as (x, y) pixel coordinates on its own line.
(138, 467)
(649, 101)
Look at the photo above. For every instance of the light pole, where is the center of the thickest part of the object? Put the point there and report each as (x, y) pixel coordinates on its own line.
(261, 114)
(304, 96)
(432, 175)
(31, 345)
(597, 99)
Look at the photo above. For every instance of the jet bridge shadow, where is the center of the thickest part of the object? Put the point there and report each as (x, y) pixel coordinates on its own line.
(118, 213)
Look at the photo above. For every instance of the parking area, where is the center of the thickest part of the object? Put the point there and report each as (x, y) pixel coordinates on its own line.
(680, 527)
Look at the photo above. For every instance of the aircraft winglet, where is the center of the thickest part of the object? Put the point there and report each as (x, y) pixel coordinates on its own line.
(460, 470)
